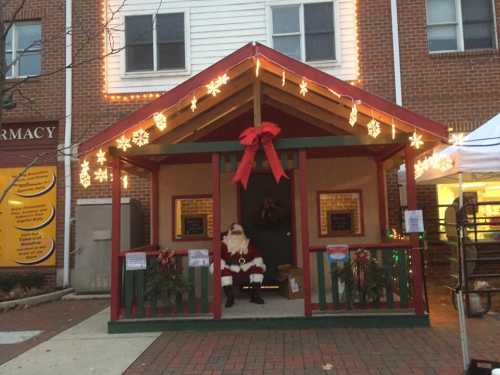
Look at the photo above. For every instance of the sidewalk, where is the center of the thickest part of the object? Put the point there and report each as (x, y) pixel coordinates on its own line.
(83, 349)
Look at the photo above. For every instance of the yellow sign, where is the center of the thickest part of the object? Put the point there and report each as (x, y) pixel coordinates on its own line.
(28, 217)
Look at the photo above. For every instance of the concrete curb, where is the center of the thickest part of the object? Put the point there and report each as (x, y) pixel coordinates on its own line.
(75, 296)
(35, 300)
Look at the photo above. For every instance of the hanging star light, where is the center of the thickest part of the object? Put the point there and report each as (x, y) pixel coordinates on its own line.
(457, 139)
(85, 179)
(101, 175)
(140, 137)
(223, 79)
(393, 131)
(125, 181)
(123, 143)
(416, 140)
(160, 121)
(283, 78)
(303, 88)
(194, 103)
(257, 68)
(353, 118)
(101, 157)
(373, 128)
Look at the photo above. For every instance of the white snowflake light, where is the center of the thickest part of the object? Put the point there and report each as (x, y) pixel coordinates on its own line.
(373, 128)
(194, 103)
(101, 157)
(283, 78)
(303, 88)
(457, 139)
(213, 88)
(140, 137)
(123, 143)
(257, 68)
(160, 121)
(353, 118)
(125, 181)
(85, 179)
(393, 131)
(416, 140)
(101, 175)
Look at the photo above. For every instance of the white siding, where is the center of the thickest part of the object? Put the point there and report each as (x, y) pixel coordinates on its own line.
(215, 29)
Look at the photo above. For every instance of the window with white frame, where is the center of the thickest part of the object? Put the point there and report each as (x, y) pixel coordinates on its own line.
(155, 42)
(23, 49)
(305, 31)
(459, 25)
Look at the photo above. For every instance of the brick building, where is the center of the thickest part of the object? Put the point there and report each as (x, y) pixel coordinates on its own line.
(456, 83)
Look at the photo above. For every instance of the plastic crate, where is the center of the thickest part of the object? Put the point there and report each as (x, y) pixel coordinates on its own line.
(480, 367)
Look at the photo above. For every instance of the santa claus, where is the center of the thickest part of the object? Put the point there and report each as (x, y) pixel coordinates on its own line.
(240, 261)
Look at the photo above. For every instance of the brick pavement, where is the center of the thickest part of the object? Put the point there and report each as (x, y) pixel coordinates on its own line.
(434, 350)
(51, 318)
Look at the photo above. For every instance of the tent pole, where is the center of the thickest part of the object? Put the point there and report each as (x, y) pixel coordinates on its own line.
(461, 190)
(463, 329)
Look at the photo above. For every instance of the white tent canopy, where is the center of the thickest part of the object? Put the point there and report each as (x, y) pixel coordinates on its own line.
(477, 159)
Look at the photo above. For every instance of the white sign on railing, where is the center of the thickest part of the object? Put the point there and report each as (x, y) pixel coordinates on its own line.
(135, 261)
(414, 221)
(198, 258)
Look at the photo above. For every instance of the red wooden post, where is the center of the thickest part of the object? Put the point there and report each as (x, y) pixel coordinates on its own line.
(216, 241)
(411, 196)
(304, 223)
(382, 196)
(116, 240)
(155, 239)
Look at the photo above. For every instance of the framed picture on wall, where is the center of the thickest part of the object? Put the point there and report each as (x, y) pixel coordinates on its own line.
(192, 218)
(340, 213)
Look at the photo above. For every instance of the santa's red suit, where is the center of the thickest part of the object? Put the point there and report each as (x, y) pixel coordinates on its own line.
(242, 261)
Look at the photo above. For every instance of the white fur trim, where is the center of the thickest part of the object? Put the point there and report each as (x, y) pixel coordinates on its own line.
(226, 280)
(222, 266)
(234, 268)
(259, 262)
(256, 278)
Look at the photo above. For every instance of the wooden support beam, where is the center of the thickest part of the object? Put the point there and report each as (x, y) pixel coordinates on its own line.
(304, 225)
(382, 199)
(235, 146)
(116, 240)
(216, 240)
(416, 255)
(154, 209)
(257, 108)
(205, 120)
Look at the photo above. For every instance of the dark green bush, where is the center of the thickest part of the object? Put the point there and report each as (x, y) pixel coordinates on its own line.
(26, 280)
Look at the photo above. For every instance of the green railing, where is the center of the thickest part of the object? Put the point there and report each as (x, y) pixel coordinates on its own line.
(374, 277)
(141, 299)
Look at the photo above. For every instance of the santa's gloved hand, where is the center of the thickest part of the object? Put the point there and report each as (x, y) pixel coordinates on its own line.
(246, 266)
(234, 268)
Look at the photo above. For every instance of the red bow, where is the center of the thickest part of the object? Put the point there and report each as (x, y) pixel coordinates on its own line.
(251, 138)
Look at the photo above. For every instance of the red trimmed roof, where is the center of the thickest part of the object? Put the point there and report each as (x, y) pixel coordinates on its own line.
(250, 51)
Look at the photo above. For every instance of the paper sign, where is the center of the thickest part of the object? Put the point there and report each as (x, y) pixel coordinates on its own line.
(135, 261)
(198, 258)
(337, 253)
(414, 221)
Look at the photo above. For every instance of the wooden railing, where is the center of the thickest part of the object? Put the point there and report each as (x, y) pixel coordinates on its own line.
(382, 282)
(137, 303)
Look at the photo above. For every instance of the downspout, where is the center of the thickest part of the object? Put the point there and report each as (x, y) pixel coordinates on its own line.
(68, 149)
(395, 47)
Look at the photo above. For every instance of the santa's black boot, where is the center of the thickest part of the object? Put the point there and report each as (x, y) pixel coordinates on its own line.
(228, 291)
(255, 294)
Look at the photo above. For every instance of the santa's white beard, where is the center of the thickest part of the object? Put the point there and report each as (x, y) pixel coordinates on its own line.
(236, 244)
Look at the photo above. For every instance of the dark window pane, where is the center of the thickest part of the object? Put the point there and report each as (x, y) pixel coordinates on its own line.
(138, 29)
(318, 17)
(478, 24)
(171, 56)
(320, 47)
(442, 38)
(170, 27)
(139, 57)
(29, 64)
(288, 45)
(319, 31)
(8, 61)
(286, 20)
(29, 36)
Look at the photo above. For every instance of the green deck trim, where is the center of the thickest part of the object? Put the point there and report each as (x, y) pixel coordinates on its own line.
(295, 160)
(128, 292)
(403, 279)
(315, 322)
(284, 160)
(179, 303)
(192, 290)
(280, 144)
(222, 163)
(233, 162)
(335, 285)
(321, 280)
(204, 290)
(139, 292)
(388, 265)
